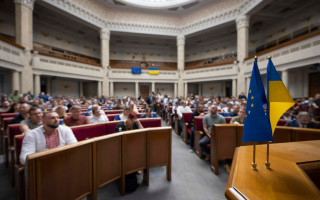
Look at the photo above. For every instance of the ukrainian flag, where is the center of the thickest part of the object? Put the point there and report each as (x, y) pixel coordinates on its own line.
(256, 123)
(278, 96)
(62, 123)
(153, 70)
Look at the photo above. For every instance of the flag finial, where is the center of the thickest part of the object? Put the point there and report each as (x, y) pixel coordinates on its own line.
(255, 57)
(269, 57)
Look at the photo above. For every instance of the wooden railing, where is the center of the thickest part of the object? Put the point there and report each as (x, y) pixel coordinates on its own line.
(64, 54)
(10, 40)
(284, 42)
(210, 62)
(126, 64)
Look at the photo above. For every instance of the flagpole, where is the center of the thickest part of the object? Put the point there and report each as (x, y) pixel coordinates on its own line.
(267, 164)
(254, 164)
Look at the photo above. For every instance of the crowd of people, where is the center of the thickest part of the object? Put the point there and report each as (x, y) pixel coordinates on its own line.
(34, 116)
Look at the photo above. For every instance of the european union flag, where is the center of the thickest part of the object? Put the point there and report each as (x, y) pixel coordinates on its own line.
(136, 70)
(257, 126)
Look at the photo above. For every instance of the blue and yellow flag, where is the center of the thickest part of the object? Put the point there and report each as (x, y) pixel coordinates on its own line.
(153, 70)
(278, 96)
(256, 124)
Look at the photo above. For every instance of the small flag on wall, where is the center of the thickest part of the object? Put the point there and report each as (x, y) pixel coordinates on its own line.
(136, 70)
(153, 70)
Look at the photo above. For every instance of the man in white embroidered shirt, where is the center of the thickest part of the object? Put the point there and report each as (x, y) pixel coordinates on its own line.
(47, 136)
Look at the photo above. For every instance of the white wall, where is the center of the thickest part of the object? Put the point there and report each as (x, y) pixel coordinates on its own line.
(212, 88)
(65, 87)
(124, 89)
(165, 88)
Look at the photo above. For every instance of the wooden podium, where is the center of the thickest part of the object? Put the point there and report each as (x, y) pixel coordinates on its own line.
(294, 174)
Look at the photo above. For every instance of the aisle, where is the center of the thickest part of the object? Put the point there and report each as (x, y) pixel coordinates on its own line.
(192, 179)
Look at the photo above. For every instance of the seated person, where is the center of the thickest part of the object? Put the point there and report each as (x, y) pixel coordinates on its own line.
(46, 136)
(14, 108)
(118, 106)
(149, 114)
(303, 121)
(235, 111)
(97, 117)
(5, 106)
(33, 122)
(76, 118)
(181, 109)
(130, 123)
(208, 121)
(133, 108)
(240, 118)
(124, 114)
(61, 111)
(23, 114)
(288, 115)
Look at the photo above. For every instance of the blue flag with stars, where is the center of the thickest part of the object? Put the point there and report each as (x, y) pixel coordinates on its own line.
(257, 127)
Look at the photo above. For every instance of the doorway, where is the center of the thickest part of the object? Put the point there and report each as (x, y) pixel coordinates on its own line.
(144, 91)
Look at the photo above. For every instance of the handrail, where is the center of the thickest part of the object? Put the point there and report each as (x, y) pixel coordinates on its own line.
(285, 44)
(6, 40)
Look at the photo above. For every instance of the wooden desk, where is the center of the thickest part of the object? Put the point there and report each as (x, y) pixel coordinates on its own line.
(286, 180)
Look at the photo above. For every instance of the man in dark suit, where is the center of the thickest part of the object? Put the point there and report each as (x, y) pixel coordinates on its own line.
(303, 121)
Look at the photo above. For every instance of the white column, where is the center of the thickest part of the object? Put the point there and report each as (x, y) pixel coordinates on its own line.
(15, 80)
(200, 89)
(175, 90)
(234, 87)
(99, 89)
(242, 50)
(137, 89)
(24, 37)
(185, 90)
(248, 79)
(81, 88)
(111, 88)
(36, 84)
(285, 78)
(153, 87)
(180, 44)
(105, 60)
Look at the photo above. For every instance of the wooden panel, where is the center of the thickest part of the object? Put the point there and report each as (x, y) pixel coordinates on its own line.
(144, 91)
(134, 151)
(127, 64)
(61, 173)
(304, 134)
(159, 146)
(286, 180)
(282, 134)
(108, 150)
(314, 84)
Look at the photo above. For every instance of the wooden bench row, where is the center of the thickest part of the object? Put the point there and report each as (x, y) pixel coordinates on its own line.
(78, 170)
(226, 137)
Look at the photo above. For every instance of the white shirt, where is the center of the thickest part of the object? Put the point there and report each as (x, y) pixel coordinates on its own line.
(93, 119)
(35, 141)
(182, 109)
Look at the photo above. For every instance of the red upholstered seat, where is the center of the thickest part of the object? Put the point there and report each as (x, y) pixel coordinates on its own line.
(13, 130)
(281, 122)
(113, 112)
(88, 131)
(198, 124)
(189, 130)
(111, 117)
(111, 126)
(187, 117)
(6, 122)
(228, 119)
(18, 145)
(150, 122)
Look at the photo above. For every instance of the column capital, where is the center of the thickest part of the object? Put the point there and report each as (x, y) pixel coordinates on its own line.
(242, 21)
(28, 3)
(105, 34)
(181, 40)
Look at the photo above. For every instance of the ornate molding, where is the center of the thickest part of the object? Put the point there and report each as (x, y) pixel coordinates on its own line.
(28, 3)
(181, 40)
(105, 34)
(242, 21)
(96, 13)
